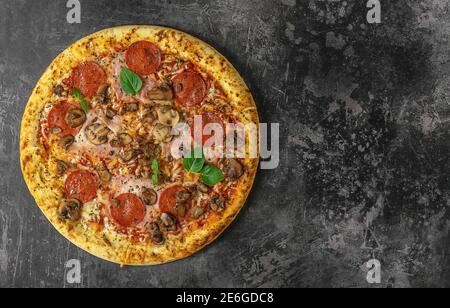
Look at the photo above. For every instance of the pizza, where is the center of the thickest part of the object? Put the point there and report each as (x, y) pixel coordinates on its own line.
(97, 139)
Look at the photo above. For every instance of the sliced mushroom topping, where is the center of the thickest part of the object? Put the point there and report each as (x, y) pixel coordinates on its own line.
(149, 196)
(70, 210)
(197, 212)
(56, 130)
(75, 117)
(161, 133)
(148, 113)
(155, 233)
(102, 94)
(61, 167)
(168, 116)
(233, 169)
(110, 113)
(58, 90)
(150, 152)
(128, 155)
(217, 203)
(168, 222)
(183, 196)
(162, 93)
(67, 141)
(180, 209)
(131, 107)
(97, 133)
(202, 188)
(124, 139)
(105, 175)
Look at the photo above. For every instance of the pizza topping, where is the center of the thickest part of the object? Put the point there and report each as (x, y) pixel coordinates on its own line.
(61, 167)
(161, 133)
(202, 188)
(57, 120)
(75, 117)
(110, 113)
(233, 169)
(168, 116)
(180, 209)
(143, 58)
(149, 196)
(104, 174)
(58, 90)
(161, 93)
(70, 210)
(88, 77)
(67, 141)
(190, 88)
(97, 133)
(102, 94)
(168, 222)
(131, 107)
(155, 233)
(217, 203)
(121, 140)
(128, 210)
(196, 212)
(168, 200)
(182, 196)
(81, 185)
(128, 155)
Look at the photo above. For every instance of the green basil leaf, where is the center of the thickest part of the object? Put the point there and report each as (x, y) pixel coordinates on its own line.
(155, 168)
(211, 175)
(84, 104)
(130, 82)
(194, 161)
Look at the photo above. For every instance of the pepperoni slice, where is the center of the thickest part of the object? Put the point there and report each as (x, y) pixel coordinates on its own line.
(129, 210)
(209, 118)
(168, 200)
(143, 58)
(57, 119)
(190, 88)
(88, 77)
(82, 185)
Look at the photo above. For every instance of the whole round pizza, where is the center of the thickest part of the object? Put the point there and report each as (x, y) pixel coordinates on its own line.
(98, 136)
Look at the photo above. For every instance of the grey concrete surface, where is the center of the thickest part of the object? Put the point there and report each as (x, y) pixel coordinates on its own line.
(365, 165)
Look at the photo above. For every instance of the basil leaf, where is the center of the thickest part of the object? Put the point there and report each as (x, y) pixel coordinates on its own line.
(211, 175)
(84, 104)
(130, 82)
(155, 168)
(194, 161)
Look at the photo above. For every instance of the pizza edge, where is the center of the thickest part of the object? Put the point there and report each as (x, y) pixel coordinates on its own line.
(44, 188)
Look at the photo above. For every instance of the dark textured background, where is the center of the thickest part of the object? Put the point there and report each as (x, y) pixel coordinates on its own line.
(365, 130)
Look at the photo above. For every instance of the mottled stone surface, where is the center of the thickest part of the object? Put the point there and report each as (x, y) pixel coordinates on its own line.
(365, 130)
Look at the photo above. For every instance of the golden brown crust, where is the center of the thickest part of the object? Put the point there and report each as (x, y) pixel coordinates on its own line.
(38, 170)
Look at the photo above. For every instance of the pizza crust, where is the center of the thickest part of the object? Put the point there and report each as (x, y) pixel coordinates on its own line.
(46, 189)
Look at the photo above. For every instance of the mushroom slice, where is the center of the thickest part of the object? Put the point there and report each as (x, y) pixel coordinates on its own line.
(131, 107)
(121, 140)
(202, 188)
(197, 212)
(70, 210)
(75, 117)
(155, 233)
(161, 93)
(161, 133)
(102, 94)
(67, 141)
(217, 203)
(110, 113)
(58, 90)
(180, 209)
(168, 116)
(233, 169)
(97, 133)
(128, 155)
(182, 196)
(104, 174)
(61, 167)
(168, 222)
(149, 196)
